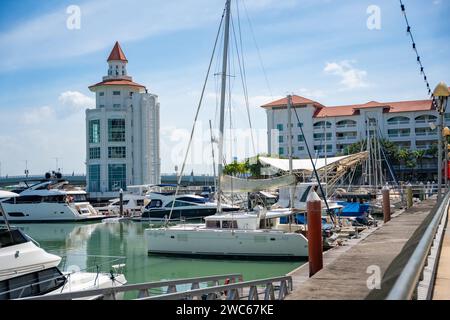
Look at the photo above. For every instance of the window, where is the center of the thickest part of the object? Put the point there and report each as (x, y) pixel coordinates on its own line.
(32, 284)
(155, 204)
(94, 153)
(280, 139)
(94, 177)
(229, 224)
(101, 106)
(280, 127)
(116, 105)
(300, 124)
(116, 93)
(116, 152)
(300, 138)
(117, 177)
(280, 151)
(116, 130)
(301, 148)
(213, 224)
(101, 94)
(94, 131)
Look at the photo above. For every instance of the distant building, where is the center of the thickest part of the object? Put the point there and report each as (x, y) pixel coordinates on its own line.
(122, 132)
(329, 130)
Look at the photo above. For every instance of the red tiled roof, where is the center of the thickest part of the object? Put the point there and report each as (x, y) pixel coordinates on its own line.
(391, 107)
(296, 101)
(117, 53)
(117, 83)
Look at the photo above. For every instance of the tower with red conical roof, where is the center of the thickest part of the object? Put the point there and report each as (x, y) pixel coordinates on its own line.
(122, 132)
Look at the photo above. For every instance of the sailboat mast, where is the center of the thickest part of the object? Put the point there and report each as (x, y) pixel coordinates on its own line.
(290, 151)
(222, 103)
(212, 152)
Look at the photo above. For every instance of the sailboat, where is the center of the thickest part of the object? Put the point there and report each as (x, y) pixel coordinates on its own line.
(242, 234)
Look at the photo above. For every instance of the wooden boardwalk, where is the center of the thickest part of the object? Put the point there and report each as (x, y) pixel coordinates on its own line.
(347, 269)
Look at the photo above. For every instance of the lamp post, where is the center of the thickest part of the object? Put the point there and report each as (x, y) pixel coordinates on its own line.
(441, 92)
(446, 134)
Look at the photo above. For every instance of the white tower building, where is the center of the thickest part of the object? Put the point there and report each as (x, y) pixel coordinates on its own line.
(122, 132)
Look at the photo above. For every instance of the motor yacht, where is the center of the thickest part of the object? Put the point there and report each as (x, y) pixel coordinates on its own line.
(27, 270)
(50, 200)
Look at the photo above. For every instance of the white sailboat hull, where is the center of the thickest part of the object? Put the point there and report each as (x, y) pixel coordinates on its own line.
(240, 243)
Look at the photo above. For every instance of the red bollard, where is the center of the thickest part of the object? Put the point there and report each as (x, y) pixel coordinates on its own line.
(386, 204)
(315, 247)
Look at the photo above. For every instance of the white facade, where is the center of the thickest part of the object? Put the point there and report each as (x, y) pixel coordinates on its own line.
(406, 123)
(122, 133)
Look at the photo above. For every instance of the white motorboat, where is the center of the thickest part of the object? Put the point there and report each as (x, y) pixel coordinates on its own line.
(26, 270)
(50, 200)
(186, 207)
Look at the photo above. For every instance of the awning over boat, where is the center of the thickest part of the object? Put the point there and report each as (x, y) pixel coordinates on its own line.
(306, 165)
(234, 184)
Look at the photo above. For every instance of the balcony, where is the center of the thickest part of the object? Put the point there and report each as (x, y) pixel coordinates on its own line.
(346, 138)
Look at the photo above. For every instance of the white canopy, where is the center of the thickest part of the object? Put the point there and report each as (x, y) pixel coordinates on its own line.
(305, 164)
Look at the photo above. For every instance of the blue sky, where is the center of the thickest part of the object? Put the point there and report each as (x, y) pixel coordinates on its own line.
(320, 49)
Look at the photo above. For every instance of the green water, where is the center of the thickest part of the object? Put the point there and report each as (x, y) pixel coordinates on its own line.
(80, 242)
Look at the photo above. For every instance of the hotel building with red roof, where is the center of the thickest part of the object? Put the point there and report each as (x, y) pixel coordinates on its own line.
(122, 132)
(330, 129)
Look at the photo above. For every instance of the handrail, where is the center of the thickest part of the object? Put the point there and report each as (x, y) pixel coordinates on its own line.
(221, 288)
(406, 283)
(131, 287)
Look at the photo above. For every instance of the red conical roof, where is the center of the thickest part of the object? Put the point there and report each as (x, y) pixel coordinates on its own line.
(117, 53)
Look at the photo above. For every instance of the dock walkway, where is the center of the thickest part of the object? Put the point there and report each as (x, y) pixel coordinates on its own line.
(442, 284)
(348, 269)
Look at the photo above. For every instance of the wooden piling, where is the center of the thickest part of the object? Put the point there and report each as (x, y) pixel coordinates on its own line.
(315, 247)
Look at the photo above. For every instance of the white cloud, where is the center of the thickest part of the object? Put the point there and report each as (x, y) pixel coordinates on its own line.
(311, 93)
(351, 77)
(73, 102)
(37, 115)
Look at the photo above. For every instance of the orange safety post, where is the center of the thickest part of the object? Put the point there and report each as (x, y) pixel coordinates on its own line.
(315, 247)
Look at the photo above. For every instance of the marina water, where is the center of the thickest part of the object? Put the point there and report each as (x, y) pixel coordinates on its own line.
(84, 246)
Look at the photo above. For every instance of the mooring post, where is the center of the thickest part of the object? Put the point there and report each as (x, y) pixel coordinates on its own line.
(409, 196)
(386, 204)
(315, 247)
(121, 201)
(422, 192)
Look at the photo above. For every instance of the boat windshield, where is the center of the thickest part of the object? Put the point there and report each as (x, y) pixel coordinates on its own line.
(11, 237)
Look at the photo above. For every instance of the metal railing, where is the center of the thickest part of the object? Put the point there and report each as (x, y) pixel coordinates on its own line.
(143, 289)
(406, 285)
(236, 291)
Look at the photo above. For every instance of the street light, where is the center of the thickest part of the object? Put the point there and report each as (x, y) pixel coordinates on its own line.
(446, 134)
(441, 92)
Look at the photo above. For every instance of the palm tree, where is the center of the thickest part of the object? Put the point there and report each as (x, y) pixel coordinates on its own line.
(418, 155)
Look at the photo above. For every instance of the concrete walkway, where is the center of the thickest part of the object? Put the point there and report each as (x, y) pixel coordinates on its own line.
(347, 270)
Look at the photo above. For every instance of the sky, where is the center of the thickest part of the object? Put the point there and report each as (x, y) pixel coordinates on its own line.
(332, 51)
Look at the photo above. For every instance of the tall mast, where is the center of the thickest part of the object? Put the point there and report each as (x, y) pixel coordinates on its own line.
(222, 103)
(289, 109)
(212, 152)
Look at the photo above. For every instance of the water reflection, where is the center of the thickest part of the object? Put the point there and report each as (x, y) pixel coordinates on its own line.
(83, 243)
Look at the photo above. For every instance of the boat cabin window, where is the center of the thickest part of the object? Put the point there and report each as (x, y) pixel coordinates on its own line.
(79, 197)
(117, 203)
(25, 199)
(177, 204)
(32, 284)
(140, 202)
(155, 204)
(193, 199)
(305, 194)
(214, 224)
(229, 224)
(11, 237)
(54, 199)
